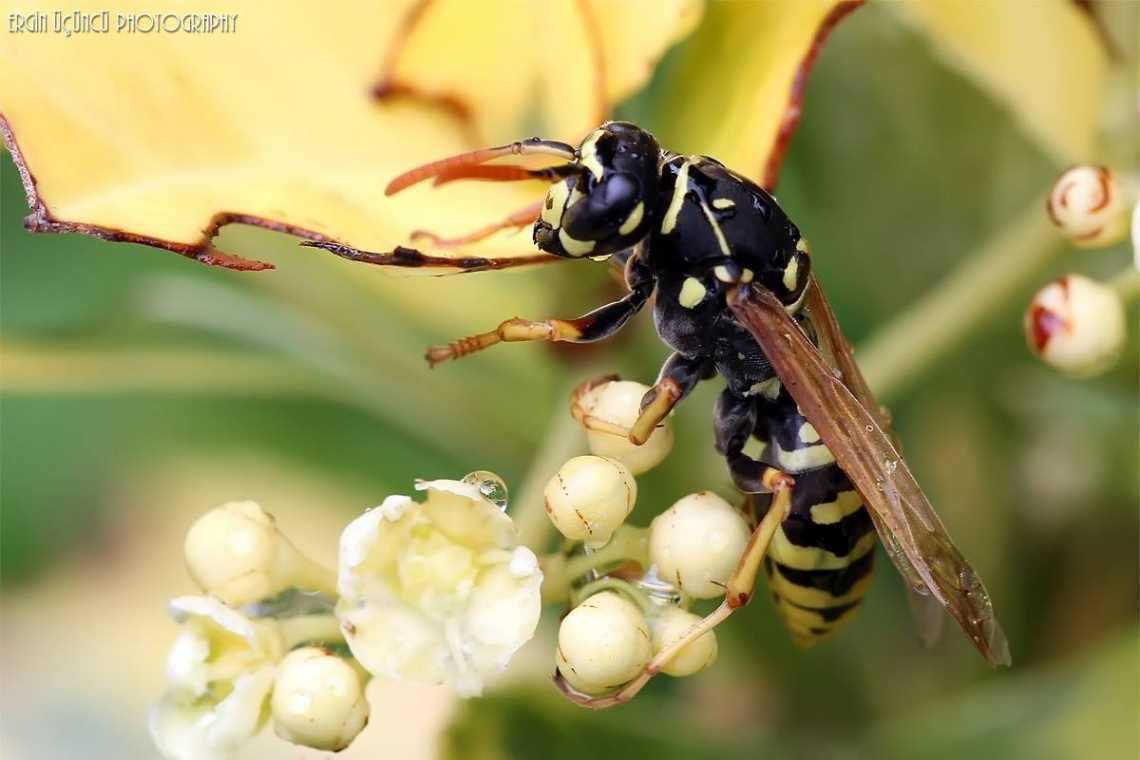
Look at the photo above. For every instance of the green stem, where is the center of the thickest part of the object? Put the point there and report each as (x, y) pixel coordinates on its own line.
(1126, 284)
(562, 441)
(312, 576)
(311, 628)
(561, 572)
(625, 588)
(916, 340)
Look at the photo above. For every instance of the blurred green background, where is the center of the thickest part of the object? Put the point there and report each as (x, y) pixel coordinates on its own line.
(139, 389)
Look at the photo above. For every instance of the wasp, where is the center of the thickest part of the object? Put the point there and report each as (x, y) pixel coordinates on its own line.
(735, 297)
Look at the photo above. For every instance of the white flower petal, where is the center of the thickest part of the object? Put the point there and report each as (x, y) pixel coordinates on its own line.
(438, 590)
(205, 729)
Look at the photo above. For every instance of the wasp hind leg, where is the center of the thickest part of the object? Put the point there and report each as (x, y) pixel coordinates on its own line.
(738, 592)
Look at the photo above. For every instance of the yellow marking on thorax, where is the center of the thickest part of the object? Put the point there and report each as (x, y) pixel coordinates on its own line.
(754, 448)
(808, 433)
(634, 219)
(589, 154)
(575, 247)
(716, 229)
(829, 513)
(797, 304)
(769, 389)
(723, 203)
(809, 558)
(792, 274)
(692, 292)
(802, 246)
(678, 199)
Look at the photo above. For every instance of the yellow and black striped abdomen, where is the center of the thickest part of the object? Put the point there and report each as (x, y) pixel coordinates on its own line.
(820, 560)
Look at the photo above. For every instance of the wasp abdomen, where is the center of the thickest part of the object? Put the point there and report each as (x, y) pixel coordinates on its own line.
(820, 561)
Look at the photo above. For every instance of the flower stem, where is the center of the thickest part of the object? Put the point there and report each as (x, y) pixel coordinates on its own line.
(923, 335)
(561, 572)
(563, 440)
(311, 628)
(312, 576)
(1126, 284)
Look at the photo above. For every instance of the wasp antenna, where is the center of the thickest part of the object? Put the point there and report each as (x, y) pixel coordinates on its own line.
(504, 173)
(533, 146)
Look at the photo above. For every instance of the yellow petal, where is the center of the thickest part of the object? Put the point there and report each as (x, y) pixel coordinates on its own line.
(738, 87)
(502, 63)
(1043, 60)
(162, 138)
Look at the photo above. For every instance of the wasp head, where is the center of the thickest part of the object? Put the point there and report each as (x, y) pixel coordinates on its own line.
(607, 205)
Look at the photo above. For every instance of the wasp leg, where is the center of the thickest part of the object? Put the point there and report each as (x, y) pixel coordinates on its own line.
(738, 592)
(677, 378)
(734, 421)
(598, 324)
(516, 221)
(410, 258)
(589, 421)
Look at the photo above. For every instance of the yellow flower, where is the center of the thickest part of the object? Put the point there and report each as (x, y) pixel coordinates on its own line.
(210, 133)
(438, 590)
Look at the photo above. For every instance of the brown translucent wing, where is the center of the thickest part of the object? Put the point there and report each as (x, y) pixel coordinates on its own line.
(905, 520)
(926, 611)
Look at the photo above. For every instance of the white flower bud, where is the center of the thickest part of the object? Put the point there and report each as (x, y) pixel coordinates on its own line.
(669, 625)
(619, 403)
(603, 643)
(1088, 205)
(589, 498)
(1076, 325)
(697, 543)
(318, 700)
(236, 553)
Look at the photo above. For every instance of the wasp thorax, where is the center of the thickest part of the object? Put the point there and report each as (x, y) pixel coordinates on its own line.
(607, 204)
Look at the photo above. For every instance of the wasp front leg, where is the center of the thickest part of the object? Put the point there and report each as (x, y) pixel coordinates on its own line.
(738, 592)
(599, 324)
(677, 378)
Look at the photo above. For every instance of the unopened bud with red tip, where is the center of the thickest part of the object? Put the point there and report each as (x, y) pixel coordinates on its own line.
(1076, 325)
(1088, 205)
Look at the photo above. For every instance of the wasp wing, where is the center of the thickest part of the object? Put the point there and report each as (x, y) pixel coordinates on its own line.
(925, 610)
(903, 515)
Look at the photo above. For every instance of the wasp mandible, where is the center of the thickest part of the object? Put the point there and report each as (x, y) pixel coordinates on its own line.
(735, 297)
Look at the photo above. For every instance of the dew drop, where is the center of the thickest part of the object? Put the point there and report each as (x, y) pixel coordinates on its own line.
(490, 485)
(659, 591)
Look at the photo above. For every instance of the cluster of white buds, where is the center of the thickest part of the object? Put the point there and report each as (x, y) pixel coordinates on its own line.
(230, 669)
(690, 550)
(1075, 324)
(427, 592)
